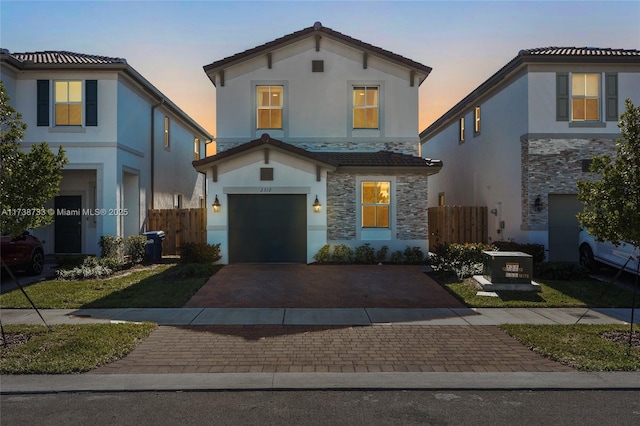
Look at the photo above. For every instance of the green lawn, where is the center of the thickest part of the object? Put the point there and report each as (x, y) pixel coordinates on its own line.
(156, 286)
(580, 346)
(554, 294)
(68, 348)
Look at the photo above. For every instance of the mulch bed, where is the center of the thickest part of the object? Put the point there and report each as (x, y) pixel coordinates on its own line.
(622, 337)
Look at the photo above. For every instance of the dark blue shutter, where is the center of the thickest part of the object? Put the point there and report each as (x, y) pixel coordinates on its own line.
(562, 96)
(43, 103)
(611, 96)
(91, 103)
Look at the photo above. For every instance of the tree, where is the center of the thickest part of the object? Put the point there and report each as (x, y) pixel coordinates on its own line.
(612, 202)
(27, 179)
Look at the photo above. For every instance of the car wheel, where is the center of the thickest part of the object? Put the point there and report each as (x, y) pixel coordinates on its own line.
(586, 258)
(36, 265)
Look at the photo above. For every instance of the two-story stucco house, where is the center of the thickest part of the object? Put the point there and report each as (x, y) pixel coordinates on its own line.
(520, 141)
(317, 143)
(129, 147)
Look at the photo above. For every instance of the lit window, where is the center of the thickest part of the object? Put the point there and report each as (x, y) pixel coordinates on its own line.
(441, 199)
(269, 100)
(585, 97)
(365, 107)
(476, 116)
(166, 132)
(375, 204)
(196, 148)
(461, 129)
(68, 103)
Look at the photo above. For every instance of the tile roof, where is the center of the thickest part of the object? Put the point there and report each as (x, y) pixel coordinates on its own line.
(578, 51)
(335, 159)
(63, 57)
(316, 28)
(540, 55)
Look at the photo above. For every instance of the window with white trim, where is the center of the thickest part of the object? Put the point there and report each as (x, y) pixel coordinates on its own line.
(68, 103)
(585, 97)
(269, 107)
(376, 197)
(196, 148)
(461, 129)
(366, 108)
(476, 120)
(167, 139)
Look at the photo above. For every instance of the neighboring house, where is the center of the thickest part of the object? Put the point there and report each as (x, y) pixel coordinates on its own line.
(520, 141)
(317, 143)
(129, 147)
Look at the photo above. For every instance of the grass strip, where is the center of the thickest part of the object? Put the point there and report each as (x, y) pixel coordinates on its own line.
(68, 348)
(554, 294)
(156, 286)
(581, 346)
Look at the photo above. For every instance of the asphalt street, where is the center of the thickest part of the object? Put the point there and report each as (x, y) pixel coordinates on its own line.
(446, 407)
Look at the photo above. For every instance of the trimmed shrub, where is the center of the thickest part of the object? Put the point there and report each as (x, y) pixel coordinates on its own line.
(91, 268)
(365, 254)
(200, 253)
(323, 256)
(397, 257)
(463, 260)
(134, 247)
(381, 255)
(413, 256)
(535, 250)
(342, 253)
(111, 246)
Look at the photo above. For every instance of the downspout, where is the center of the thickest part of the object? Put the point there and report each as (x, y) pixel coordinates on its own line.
(153, 150)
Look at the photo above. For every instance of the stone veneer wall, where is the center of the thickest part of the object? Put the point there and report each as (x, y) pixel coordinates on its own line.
(411, 206)
(341, 206)
(410, 148)
(553, 166)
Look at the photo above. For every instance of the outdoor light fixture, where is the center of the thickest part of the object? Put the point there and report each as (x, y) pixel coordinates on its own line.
(537, 204)
(316, 205)
(216, 205)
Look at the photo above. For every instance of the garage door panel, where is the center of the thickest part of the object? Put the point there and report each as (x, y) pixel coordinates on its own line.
(267, 228)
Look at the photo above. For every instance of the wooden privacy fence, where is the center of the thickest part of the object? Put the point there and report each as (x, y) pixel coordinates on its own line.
(457, 224)
(180, 226)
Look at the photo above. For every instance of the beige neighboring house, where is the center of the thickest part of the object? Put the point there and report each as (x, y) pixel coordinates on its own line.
(317, 143)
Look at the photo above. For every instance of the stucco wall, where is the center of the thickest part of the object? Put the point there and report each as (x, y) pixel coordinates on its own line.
(317, 105)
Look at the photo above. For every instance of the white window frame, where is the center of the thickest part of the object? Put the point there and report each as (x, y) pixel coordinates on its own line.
(476, 119)
(573, 96)
(270, 107)
(365, 107)
(376, 234)
(461, 129)
(68, 102)
(196, 148)
(167, 134)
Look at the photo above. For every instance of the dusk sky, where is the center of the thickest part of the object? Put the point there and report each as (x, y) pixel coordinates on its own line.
(169, 42)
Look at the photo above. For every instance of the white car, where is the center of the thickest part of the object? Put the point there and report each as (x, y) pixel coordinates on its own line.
(594, 253)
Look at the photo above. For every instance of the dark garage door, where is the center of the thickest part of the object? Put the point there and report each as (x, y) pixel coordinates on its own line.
(563, 227)
(267, 228)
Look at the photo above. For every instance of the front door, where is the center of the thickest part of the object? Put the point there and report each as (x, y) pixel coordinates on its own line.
(68, 224)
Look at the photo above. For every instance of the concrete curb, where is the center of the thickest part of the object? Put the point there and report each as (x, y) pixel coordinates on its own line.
(315, 381)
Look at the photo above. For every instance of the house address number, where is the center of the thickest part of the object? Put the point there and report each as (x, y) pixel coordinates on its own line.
(265, 189)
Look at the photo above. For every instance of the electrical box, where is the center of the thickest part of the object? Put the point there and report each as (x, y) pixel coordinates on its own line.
(507, 267)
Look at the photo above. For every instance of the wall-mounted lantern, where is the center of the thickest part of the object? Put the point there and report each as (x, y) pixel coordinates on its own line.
(537, 204)
(316, 205)
(216, 205)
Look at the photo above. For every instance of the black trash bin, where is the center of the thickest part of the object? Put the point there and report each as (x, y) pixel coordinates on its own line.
(153, 249)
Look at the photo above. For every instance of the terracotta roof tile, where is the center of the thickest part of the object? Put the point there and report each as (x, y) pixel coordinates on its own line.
(317, 28)
(63, 57)
(578, 51)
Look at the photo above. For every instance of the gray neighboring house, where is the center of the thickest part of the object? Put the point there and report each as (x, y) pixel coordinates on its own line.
(520, 141)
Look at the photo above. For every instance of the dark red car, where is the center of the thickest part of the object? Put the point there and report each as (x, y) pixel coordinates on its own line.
(23, 252)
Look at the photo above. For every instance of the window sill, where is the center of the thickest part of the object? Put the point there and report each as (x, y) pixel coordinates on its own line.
(582, 124)
(67, 129)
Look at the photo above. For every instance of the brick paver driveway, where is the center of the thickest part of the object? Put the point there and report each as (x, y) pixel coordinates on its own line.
(321, 286)
(379, 348)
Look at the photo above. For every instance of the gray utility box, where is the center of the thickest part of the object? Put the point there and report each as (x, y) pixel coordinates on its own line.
(507, 267)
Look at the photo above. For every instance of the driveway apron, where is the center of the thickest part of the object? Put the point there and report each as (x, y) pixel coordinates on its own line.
(321, 286)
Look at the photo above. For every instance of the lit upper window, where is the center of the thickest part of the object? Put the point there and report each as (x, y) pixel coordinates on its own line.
(68, 103)
(269, 108)
(365, 107)
(585, 97)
